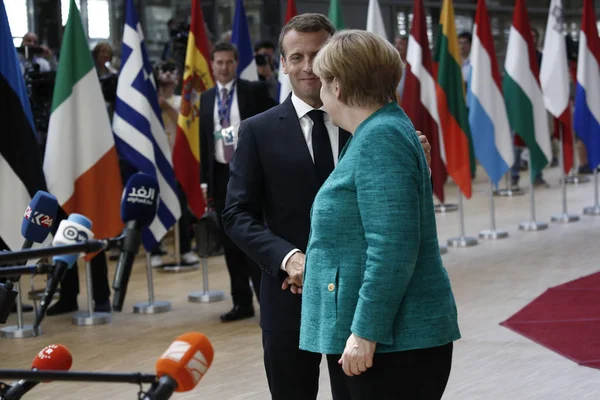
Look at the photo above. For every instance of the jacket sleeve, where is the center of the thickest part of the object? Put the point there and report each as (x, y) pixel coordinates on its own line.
(242, 216)
(386, 178)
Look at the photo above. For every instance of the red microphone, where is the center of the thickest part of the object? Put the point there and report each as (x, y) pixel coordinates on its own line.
(55, 357)
(181, 367)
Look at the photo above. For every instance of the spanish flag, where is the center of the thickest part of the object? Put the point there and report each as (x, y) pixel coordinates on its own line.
(450, 89)
(197, 78)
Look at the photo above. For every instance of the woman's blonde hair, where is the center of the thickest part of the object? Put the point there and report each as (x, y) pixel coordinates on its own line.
(367, 67)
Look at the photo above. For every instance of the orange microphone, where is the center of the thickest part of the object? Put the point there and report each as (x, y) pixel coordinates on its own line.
(55, 357)
(181, 367)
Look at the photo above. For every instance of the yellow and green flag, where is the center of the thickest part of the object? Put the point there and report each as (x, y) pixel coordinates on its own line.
(450, 89)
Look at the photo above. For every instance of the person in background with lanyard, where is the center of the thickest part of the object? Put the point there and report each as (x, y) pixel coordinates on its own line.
(222, 108)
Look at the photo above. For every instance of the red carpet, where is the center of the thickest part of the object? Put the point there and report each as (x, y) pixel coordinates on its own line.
(565, 319)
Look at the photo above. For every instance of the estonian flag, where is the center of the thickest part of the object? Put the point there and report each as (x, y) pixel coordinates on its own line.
(21, 174)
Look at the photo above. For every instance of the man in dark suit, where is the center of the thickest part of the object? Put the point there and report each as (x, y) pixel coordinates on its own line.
(224, 106)
(282, 159)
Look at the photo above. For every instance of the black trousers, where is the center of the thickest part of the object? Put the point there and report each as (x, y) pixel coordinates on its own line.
(415, 374)
(241, 267)
(292, 374)
(69, 287)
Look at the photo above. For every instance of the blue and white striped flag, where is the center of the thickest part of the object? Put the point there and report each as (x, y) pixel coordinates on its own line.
(137, 125)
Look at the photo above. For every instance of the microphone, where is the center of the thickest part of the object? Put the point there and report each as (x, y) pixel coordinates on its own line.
(72, 230)
(55, 357)
(182, 366)
(36, 225)
(139, 205)
(39, 218)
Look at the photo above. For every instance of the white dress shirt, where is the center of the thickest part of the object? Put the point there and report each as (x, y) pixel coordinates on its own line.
(306, 124)
(234, 118)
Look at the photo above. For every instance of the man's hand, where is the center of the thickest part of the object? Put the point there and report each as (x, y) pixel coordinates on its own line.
(426, 147)
(295, 269)
(357, 356)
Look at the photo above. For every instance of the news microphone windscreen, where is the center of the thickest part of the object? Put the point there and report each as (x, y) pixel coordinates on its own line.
(140, 199)
(55, 357)
(186, 360)
(39, 217)
(76, 228)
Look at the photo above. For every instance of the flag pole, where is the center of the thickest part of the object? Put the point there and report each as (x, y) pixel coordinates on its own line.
(492, 233)
(564, 217)
(509, 190)
(89, 317)
(574, 177)
(151, 306)
(19, 331)
(176, 266)
(462, 240)
(532, 224)
(595, 209)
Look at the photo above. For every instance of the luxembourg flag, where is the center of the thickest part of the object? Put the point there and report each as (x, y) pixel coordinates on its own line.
(492, 140)
(285, 87)
(240, 36)
(587, 97)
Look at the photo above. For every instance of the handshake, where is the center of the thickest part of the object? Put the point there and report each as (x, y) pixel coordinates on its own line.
(295, 270)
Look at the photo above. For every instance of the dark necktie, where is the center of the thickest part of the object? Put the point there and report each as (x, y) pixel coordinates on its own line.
(321, 146)
(227, 147)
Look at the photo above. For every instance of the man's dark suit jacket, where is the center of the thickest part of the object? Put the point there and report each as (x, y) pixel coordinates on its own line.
(252, 98)
(272, 185)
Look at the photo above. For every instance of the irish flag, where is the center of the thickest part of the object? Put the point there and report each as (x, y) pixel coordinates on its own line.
(81, 164)
(522, 92)
(196, 79)
(458, 144)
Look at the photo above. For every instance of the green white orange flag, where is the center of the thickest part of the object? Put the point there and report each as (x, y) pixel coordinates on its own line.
(81, 164)
(450, 90)
(197, 78)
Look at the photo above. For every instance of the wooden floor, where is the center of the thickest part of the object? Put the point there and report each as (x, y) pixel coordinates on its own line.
(491, 281)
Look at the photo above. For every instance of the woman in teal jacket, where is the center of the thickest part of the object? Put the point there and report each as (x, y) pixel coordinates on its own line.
(376, 298)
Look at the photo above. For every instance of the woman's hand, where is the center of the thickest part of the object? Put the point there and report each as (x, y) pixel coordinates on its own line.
(358, 355)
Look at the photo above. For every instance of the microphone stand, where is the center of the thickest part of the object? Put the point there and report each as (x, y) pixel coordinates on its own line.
(89, 246)
(136, 378)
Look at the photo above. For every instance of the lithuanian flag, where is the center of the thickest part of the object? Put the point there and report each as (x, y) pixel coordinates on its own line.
(197, 78)
(450, 89)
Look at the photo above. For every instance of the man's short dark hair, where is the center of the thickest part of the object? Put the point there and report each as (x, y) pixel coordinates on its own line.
(264, 44)
(224, 46)
(306, 23)
(466, 35)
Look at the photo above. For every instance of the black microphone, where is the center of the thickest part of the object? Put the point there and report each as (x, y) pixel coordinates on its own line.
(138, 209)
(72, 230)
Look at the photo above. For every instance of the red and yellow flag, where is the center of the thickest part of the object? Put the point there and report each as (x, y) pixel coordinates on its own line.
(450, 89)
(197, 78)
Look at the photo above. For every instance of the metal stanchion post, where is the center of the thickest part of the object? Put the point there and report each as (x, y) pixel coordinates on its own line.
(564, 217)
(89, 317)
(462, 240)
(595, 209)
(532, 225)
(492, 233)
(152, 306)
(177, 267)
(19, 331)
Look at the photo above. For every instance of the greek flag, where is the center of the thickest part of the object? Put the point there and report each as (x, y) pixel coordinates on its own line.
(137, 125)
